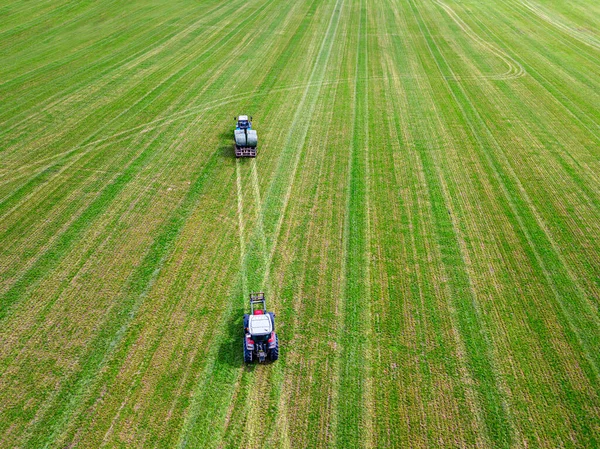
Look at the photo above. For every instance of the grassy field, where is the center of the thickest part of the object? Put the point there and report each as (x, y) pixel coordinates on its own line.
(423, 216)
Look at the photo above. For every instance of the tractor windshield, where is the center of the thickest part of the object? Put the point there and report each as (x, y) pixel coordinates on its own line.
(243, 124)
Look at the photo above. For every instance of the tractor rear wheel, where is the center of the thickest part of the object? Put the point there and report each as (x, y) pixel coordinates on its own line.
(274, 352)
(247, 354)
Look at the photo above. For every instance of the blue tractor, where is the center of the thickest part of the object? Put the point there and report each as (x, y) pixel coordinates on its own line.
(246, 139)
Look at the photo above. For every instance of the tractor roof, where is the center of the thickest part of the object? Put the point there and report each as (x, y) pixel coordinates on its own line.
(260, 325)
(243, 117)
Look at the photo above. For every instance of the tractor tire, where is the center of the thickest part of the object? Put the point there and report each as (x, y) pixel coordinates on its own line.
(274, 353)
(272, 319)
(247, 354)
(246, 321)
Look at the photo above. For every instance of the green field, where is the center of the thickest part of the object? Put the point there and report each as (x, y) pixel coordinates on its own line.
(423, 216)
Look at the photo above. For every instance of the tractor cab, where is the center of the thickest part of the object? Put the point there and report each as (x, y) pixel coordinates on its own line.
(243, 122)
(260, 326)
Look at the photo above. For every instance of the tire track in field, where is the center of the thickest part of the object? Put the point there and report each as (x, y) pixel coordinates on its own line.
(161, 121)
(260, 224)
(561, 98)
(18, 193)
(140, 374)
(581, 339)
(522, 10)
(149, 356)
(369, 394)
(258, 381)
(588, 348)
(139, 284)
(143, 128)
(227, 38)
(46, 407)
(294, 144)
(194, 110)
(100, 143)
(242, 230)
(354, 421)
(515, 69)
(414, 229)
(584, 38)
(49, 259)
(129, 62)
(254, 439)
(586, 190)
(498, 420)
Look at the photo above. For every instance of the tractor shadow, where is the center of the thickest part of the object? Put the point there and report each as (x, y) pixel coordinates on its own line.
(226, 146)
(231, 351)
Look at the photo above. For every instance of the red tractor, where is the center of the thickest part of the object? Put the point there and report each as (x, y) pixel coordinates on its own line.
(260, 339)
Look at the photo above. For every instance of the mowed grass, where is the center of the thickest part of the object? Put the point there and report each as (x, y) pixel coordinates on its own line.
(423, 215)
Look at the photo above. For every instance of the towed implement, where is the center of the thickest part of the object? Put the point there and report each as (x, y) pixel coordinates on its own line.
(260, 340)
(246, 139)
